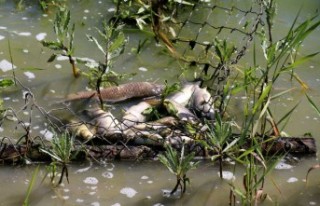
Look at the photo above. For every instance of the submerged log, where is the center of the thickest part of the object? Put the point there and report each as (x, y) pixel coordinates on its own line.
(10, 153)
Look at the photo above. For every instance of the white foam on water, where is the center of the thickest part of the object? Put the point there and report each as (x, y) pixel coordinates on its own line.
(227, 175)
(24, 18)
(3, 27)
(283, 166)
(47, 134)
(1, 37)
(78, 200)
(86, 11)
(143, 69)
(41, 36)
(25, 51)
(116, 204)
(24, 34)
(62, 58)
(5, 65)
(111, 9)
(128, 191)
(58, 66)
(144, 177)
(107, 174)
(91, 181)
(30, 75)
(292, 180)
(312, 203)
(95, 204)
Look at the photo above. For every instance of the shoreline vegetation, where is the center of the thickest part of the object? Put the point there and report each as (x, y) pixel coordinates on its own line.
(177, 123)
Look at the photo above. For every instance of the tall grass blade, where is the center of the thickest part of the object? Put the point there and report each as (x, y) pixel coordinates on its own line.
(31, 184)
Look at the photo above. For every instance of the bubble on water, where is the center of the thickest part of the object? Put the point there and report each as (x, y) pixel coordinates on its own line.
(24, 18)
(128, 191)
(24, 34)
(6, 65)
(66, 190)
(92, 193)
(292, 179)
(95, 204)
(311, 67)
(312, 203)
(86, 11)
(107, 174)
(58, 66)
(91, 181)
(116, 204)
(65, 197)
(3, 27)
(26, 51)
(41, 36)
(30, 75)
(144, 177)
(1, 37)
(150, 182)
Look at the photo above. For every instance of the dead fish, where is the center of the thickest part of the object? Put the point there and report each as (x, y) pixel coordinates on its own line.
(135, 115)
(202, 102)
(179, 111)
(103, 122)
(80, 130)
(121, 92)
(183, 96)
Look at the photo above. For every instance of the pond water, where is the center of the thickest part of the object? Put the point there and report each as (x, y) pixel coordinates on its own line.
(137, 183)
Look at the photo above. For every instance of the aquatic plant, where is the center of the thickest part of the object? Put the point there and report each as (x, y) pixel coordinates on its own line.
(112, 46)
(220, 141)
(64, 44)
(60, 153)
(178, 164)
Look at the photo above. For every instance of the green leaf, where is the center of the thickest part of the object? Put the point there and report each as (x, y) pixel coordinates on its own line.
(313, 104)
(6, 83)
(91, 38)
(299, 61)
(261, 99)
(52, 58)
(52, 45)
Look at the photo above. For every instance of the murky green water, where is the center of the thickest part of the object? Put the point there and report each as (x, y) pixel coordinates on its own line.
(130, 183)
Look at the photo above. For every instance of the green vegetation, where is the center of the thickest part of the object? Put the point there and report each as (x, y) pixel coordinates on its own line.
(178, 164)
(60, 152)
(65, 37)
(243, 141)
